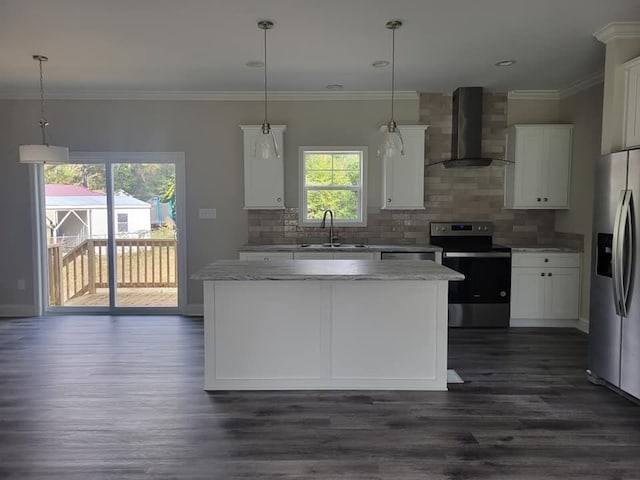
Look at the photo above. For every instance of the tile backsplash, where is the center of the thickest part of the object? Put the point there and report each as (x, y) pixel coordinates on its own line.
(474, 194)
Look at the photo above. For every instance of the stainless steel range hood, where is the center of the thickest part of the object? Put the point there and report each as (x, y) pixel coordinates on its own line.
(466, 141)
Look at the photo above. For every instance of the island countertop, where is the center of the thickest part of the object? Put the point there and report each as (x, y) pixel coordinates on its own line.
(224, 270)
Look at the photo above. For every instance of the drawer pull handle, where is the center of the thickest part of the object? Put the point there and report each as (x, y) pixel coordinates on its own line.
(550, 274)
(546, 260)
(542, 274)
(539, 199)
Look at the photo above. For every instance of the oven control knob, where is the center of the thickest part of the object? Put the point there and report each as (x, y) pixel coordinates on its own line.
(503, 293)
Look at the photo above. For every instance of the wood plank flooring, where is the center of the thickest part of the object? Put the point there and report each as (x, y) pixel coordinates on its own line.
(121, 398)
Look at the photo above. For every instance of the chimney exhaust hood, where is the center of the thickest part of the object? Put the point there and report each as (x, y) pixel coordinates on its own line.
(466, 138)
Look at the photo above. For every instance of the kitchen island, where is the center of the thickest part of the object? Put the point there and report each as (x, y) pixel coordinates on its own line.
(325, 324)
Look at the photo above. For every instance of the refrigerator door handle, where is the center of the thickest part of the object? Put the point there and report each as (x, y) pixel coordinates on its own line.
(616, 255)
(627, 251)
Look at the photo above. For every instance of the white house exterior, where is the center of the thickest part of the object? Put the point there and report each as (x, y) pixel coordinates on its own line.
(74, 211)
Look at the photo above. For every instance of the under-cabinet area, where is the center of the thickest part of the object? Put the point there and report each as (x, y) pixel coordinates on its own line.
(545, 289)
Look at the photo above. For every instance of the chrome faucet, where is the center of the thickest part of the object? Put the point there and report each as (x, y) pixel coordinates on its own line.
(323, 225)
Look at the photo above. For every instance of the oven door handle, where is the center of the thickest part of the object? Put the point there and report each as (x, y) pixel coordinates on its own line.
(477, 254)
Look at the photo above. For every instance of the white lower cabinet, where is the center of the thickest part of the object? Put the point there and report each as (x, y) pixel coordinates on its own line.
(266, 256)
(545, 286)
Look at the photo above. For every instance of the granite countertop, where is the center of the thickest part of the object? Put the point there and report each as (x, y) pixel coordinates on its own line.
(542, 249)
(342, 247)
(327, 270)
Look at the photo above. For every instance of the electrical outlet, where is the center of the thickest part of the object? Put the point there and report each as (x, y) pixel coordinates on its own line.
(21, 284)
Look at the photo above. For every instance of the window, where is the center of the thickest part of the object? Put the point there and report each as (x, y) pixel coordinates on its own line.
(333, 178)
(123, 223)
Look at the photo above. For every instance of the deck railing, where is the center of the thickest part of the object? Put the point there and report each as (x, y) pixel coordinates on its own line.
(140, 263)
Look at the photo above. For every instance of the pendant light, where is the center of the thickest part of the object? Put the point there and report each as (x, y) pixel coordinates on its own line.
(266, 146)
(392, 143)
(43, 153)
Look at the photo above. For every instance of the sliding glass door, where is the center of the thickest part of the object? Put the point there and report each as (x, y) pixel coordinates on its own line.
(112, 227)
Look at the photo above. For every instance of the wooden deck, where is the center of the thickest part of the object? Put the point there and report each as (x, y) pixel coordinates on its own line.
(129, 297)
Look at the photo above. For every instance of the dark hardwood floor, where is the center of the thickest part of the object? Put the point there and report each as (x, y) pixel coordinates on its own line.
(121, 398)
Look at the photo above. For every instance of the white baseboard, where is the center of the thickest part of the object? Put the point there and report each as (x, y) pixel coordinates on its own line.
(582, 324)
(543, 322)
(14, 310)
(195, 310)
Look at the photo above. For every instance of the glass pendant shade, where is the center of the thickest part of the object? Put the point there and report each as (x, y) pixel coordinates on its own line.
(43, 154)
(392, 143)
(266, 146)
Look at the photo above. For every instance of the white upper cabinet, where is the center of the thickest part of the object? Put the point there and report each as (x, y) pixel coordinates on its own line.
(632, 103)
(263, 179)
(540, 176)
(403, 175)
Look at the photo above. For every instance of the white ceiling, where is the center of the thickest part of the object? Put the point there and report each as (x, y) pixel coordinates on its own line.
(203, 45)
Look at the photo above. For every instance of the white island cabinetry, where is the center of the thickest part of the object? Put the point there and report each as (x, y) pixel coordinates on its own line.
(316, 324)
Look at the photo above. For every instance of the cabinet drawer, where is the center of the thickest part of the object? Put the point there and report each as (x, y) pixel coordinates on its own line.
(549, 260)
(266, 256)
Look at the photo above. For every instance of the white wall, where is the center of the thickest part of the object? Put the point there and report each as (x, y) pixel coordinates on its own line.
(584, 110)
(207, 132)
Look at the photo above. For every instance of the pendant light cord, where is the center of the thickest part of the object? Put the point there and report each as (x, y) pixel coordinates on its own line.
(265, 75)
(43, 119)
(393, 67)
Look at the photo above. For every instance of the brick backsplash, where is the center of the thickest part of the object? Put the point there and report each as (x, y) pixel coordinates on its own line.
(466, 194)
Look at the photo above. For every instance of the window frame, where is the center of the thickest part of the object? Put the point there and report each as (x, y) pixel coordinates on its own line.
(361, 189)
(120, 223)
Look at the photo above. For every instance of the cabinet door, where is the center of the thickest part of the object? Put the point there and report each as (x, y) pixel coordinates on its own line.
(558, 142)
(632, 104)
(527, 293)
(265, 256)
(530, 170)
(313, 255)
(403, 175)
(263, 179)
(562, 293)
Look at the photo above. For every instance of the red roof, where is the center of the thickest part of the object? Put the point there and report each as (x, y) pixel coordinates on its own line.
(59, 190)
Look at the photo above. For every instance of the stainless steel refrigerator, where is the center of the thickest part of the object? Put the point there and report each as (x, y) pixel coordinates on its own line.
(614, 332)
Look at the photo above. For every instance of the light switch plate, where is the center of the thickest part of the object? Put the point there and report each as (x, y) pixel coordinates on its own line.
(207, 213)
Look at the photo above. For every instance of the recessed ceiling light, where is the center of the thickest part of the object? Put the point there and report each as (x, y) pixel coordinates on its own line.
(335, 86)
(505, 63)
(255, 64)
(380, 64)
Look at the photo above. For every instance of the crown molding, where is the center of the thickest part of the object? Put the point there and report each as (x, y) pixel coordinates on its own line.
(533, 95)
(248, 96)
(580, 85)
(616, 30)
(575, 87)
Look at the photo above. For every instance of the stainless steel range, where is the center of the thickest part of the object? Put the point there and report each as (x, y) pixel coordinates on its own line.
(482, 299)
